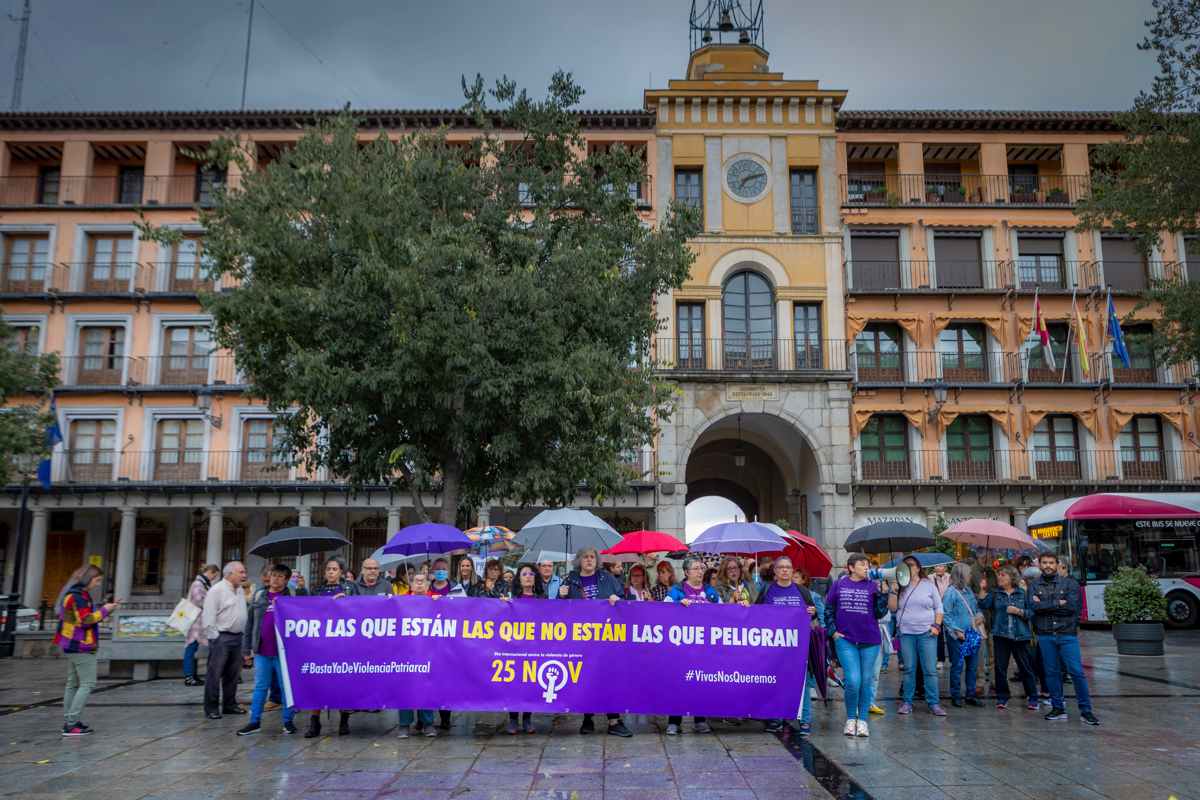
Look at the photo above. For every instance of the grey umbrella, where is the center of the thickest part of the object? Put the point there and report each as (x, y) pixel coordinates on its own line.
(298, 541)
(565, 530)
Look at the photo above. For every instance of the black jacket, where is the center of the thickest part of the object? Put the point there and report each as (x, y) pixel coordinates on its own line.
(254, 616)
(606, 585)
(1050, 616)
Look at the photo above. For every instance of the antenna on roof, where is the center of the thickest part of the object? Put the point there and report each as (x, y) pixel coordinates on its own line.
(246, 63)
(19, 74)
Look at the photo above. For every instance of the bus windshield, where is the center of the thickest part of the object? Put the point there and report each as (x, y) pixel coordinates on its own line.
(1165, 547)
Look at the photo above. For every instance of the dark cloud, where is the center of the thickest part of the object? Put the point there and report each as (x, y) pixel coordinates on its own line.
(117, 54)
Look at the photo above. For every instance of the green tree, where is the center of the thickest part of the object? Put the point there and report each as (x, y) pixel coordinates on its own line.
(473, 320)
(26, 382)
(1149, 182)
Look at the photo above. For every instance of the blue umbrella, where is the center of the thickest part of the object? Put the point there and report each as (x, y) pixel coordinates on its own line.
(926, 560)
(427, 537)
(738, 537)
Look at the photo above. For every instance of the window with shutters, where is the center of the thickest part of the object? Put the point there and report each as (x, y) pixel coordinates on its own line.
(689, 326)
(878, 350)
(883, 443)
(1141, 444)
(1056, 447)
(110, 264)
(969, 447)
(260, 460)
(875, 262)
(102, 361)
(957, 261)
(49, 183)
(208, 181)
(91, 444)
(748, 309)
(180, 449)
(963, 352)
(1040, 262)
(186, 349)
(689, 188)
(25, 339)
(944, 182)
(1124, 266)
(187, 268)
(130, 184)
(1143, 366)
(806, 324)
(1191, 254)
(25, 262)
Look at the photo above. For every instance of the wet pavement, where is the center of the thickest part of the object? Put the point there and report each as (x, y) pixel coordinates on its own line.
(152, 742)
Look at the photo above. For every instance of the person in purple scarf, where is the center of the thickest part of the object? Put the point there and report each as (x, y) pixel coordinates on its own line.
(853, 607)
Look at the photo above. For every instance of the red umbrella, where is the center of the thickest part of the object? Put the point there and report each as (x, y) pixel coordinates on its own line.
(641, 542)
(806, 554)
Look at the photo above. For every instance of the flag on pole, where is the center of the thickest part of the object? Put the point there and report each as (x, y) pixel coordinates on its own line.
(1081, 339)
(1043, 333)
(53, 438)
(1114, 331)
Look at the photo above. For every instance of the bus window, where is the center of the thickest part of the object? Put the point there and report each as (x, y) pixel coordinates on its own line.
(1106, 553)
(1168, 557)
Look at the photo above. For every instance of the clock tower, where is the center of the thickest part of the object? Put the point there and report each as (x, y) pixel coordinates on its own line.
(755, 338)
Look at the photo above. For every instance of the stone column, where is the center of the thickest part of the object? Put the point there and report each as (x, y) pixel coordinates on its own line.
(35, 562)
(216, 533)
(670, 514)
(1021, 519)
(304, 519)
(123, 580)
(393, 520)
(77, 161)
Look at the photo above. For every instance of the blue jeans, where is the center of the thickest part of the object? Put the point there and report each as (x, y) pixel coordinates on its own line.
(406, 717)
(954, 648)
(266, 669)
(858, 674)
(189, 659)
(1059, 652)
(806, 703)
(923, 646)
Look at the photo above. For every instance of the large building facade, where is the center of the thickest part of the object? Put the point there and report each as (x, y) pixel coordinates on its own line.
(853, 343)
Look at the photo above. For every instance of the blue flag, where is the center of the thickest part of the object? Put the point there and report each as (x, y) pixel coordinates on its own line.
(1114, 331)
(53, 438)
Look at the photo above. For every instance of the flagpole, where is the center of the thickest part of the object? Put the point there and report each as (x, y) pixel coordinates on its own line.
(1070, 333)
(1104, 339)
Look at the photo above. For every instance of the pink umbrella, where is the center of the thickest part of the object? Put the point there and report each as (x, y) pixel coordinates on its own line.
(990, 534)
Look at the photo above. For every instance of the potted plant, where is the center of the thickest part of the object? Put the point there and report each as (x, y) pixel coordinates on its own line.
(1135, 606)
(954, 193)
(1056, 195)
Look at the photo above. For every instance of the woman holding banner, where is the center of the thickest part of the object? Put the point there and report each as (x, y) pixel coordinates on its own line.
(335, 586)
(493, 584)
(586, 582)
(693, 591)
(665, 579)
(733, 585)
(853, 608)
(418, 587)
(468, 584)
(527, 587)
(786, 590)
(639, 584)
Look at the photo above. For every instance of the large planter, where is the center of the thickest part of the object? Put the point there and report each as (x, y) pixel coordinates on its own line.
(1139, 638)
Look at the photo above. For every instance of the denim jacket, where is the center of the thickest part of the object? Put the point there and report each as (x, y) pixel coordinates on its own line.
(959, 609)
(1004, 624)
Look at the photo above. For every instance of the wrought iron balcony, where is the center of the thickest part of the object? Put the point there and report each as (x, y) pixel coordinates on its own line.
(750, 354)
(101, 372)
(930, 189)
(1034, 465)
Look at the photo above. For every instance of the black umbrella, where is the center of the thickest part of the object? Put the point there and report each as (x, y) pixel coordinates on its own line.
(889, 537)
(298, 541)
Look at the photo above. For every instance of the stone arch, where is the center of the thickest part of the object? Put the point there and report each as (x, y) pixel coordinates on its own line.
(748, 258)
(816, 445)
(732, 491)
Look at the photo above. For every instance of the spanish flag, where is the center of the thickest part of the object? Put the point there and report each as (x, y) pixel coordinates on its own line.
(1043, 332)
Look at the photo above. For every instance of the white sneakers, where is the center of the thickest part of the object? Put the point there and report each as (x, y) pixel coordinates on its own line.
(856, 727)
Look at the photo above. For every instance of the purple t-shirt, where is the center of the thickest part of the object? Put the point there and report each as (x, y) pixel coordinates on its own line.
(445, 590)
(267, 646)
(590, 585)
(527, 597)
(776, 595)
(854, 616)
(694, 595)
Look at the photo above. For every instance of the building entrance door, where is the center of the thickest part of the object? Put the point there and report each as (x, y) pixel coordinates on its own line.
(64, 555)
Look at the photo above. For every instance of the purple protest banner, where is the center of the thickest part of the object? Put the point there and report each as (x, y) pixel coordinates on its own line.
(557, 656)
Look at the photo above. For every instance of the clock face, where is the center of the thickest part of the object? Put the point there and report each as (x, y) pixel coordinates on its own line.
(746, 179)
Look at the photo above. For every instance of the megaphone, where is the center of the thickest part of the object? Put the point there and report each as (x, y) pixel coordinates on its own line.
(899, 574)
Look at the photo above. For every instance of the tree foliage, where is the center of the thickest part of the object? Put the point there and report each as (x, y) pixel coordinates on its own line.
(26, 381)
(1149, 182)
(471, 318)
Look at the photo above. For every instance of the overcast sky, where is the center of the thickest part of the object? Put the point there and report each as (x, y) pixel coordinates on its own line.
(182, 54)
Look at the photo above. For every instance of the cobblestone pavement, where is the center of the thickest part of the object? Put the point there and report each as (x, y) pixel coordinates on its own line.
(152, 742)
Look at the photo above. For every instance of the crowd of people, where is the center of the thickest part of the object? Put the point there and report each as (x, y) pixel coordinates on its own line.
(958, 619)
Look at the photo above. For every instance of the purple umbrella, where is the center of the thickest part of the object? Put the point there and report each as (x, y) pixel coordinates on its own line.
(738, 537)
(427, 537)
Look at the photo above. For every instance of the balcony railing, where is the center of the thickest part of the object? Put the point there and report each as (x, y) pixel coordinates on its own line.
(869, 275)
(1134, 277)
(1150, 465)
(926, 366)
(149, 371)
(875, 190)
(1024, 274)
(107, 190)
(179, 466)
(750, 354)
(121, 277)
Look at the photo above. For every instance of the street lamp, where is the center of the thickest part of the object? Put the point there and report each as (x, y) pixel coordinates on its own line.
(204, 403)
(939, 399)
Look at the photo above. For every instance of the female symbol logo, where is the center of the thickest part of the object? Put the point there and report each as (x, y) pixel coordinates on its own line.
(551, 676)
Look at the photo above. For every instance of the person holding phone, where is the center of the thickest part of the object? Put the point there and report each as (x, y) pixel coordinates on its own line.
(77, 637)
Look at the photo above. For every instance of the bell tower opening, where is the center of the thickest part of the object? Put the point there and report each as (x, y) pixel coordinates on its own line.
(726, 36)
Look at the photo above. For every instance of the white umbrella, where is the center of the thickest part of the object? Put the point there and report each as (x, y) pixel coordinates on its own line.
(566, 530)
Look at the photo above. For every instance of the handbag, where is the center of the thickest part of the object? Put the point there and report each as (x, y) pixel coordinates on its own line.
(183, 616)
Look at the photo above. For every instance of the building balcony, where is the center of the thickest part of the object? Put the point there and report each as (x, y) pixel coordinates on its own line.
(750, 354)
(914, 367)
(130, 373)
(179, 467)
(1022, 274)
(107, 190)
(872, 190)
(90, 278)
(1035, 465)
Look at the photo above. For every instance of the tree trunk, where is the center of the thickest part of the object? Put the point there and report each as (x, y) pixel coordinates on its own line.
(452, 473)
